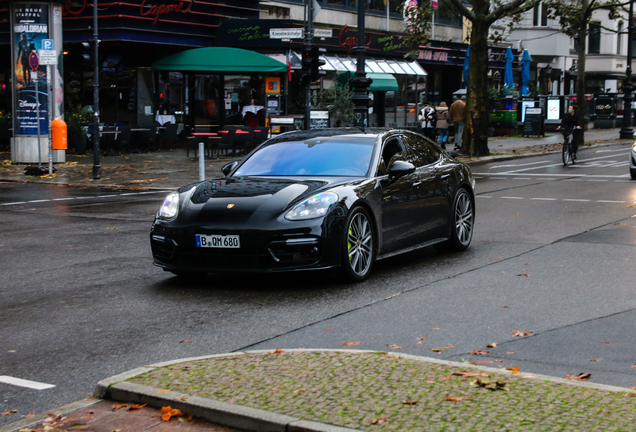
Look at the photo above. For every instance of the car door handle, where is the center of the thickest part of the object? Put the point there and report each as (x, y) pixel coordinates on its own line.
(445, 176)
(417, 183)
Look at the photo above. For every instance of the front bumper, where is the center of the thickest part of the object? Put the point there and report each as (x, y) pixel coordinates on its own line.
(300, 248)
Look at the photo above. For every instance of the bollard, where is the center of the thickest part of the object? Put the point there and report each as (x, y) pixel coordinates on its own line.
(201, 162)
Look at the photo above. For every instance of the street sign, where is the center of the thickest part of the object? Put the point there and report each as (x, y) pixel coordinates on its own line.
(286, 33)
(48, 57)
(47, 44)
(323, 33)
(33, 61)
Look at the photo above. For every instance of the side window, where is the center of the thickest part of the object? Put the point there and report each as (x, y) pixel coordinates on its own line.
(393, 150)
(424, 152)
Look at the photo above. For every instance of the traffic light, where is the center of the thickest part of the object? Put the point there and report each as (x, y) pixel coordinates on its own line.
(307, 59)
(316, 62)
(87, 52)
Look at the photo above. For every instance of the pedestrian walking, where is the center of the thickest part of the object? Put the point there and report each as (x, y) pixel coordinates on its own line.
(442, 124)
(456, 115)
(428, 118)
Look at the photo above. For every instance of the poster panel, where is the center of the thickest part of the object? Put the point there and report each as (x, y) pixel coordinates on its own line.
(30, 27)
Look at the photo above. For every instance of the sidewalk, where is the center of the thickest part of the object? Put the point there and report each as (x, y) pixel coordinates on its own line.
(172, 169)
(345, 390)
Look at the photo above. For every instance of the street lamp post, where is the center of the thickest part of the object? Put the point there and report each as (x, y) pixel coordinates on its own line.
(97, 169)
(360, 82)
(627, 131)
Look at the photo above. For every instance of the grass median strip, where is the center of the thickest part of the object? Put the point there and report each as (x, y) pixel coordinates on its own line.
(356, 389)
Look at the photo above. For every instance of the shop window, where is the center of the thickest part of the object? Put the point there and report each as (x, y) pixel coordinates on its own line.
(207, 101)
(619, 38)
(395, 6)
(594, 38)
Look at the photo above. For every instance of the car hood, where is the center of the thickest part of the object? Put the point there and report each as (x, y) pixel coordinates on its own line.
(237, 201)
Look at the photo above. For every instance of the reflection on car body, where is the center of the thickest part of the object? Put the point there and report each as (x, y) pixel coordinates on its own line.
(312, 200)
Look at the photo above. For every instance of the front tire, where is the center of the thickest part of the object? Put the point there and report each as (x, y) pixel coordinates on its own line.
(565, 153)
(632, 173)
(358, 246)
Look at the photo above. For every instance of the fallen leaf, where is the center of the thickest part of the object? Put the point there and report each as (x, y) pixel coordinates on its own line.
(471, 374)
(510, 352)
(136, 407)
(120, 405)
(422, 338)
(595, 360)
(528, 376)
(504, 307)
(495, 259)
(302, 390)
(481, 363)
(111, 228)
(186, 419)
(634, 366)
(163, 391)
(480, 352)
(329, 328)
(441, 349)
(347, 343)
(167, 413)
(409, 402)
(517, 333)
(524, 274)
(606, 342)
(379, 420)
(277, 351)
(29, 415)
(491, 384)
(454, 398)
(181, 398)
(9, 412)
(514, 369)
(185, 341)
(580, 377)
(436, 328)
(394, 346)
(491, 345)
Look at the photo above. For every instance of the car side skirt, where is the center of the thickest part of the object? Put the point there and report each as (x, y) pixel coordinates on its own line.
(412, 248)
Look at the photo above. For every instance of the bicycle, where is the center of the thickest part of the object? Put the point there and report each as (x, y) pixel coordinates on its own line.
(567, 152)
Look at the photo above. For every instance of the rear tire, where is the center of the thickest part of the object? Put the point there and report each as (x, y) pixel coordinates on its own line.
(358, 246)
(462, 224)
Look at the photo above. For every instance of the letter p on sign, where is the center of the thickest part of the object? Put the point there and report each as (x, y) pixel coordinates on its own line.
(47, 44)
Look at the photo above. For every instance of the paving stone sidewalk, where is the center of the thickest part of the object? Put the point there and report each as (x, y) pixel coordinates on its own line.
(367, 390)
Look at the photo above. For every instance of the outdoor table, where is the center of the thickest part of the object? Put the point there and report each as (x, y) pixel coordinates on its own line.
(162, 119)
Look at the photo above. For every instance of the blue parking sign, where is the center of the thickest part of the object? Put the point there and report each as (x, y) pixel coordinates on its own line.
(47, 44)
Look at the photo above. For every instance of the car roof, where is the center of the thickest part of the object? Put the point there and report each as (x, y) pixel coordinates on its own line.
(302, 135)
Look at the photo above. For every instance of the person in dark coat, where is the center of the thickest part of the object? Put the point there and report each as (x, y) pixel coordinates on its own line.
(571, 124)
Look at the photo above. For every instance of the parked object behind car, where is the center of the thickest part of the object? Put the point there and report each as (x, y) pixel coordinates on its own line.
(318, 200)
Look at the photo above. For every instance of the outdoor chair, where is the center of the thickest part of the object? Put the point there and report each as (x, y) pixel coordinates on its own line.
(226, 142)
(123, 138)
(260, 136)
(244, 139)
(168, 135)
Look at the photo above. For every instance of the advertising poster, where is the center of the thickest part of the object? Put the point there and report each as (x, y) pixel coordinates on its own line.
(30, 27)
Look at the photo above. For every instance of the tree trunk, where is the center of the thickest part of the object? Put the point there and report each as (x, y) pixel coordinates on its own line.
(476, 119)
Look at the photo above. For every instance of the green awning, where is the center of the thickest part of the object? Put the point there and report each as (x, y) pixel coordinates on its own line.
(381, 82)
(219, 59)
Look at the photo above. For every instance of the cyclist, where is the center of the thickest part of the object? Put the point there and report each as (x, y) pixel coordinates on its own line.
(571, 124)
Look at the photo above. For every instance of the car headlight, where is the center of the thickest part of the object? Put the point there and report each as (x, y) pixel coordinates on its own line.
(170, 206)
(634, 148)
(313, 207)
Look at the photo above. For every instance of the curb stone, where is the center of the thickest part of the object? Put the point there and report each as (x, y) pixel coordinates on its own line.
(252, 419)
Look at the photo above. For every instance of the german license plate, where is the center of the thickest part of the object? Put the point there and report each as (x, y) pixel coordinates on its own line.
(218, 241)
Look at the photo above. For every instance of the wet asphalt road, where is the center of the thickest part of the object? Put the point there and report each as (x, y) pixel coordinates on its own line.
(554, 253)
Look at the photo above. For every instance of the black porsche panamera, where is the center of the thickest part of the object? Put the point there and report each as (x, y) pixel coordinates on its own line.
(324, 199)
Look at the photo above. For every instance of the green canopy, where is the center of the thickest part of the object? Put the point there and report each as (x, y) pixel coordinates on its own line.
(220, 59)
(381, 82)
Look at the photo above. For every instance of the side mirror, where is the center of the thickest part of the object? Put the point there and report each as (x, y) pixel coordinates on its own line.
(228, 168)
(400, 168)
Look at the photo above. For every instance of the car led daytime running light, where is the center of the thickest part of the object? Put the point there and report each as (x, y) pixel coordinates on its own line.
(313, 207)
(170, 206)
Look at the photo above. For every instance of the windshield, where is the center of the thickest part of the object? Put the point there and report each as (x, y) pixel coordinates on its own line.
(331, 156)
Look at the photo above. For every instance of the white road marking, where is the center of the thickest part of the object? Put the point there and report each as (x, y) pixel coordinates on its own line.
(611, 151)
(544, 199)
(516, 165)
(608, 201)
(522, 178)
(549, 166)
(507, 197)
(14, 203)
(25, 383)
(597, 180)
(576, 200)
(549, 176)
(82, 197)
(484, 196)
(34, 201)
(63, 199)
